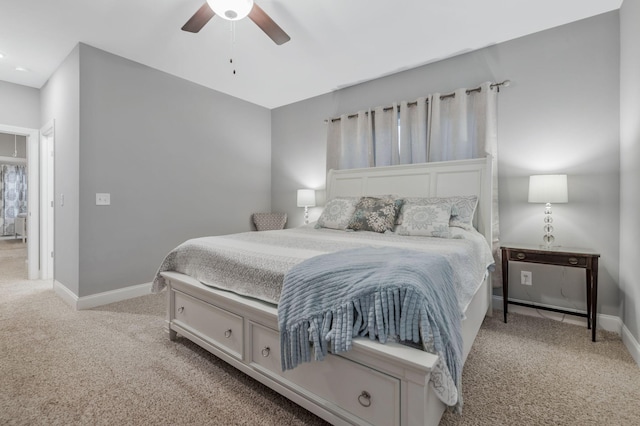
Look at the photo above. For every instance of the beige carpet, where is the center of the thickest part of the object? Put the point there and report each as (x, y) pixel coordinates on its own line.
(13, 256)
(114, 365)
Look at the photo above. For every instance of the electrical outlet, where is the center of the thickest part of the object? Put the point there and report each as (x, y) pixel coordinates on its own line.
(526, 278)
(103, 199)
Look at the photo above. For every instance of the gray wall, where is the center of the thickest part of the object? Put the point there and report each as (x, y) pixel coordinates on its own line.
(19, 105)
(60, 100)
(560, 115)
(630, 158)
(179, 160)
(9, 143)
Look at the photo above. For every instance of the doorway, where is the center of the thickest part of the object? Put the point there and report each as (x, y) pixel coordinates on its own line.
(36, 180)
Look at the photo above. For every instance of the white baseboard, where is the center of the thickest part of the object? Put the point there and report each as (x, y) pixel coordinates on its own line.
(605, 322)
(631, 343)
(100, 299)
(65, 294)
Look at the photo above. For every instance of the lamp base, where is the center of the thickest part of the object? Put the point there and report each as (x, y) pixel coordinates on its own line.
(548, 238)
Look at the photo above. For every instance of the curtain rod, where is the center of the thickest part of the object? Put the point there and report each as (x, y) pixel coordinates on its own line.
(504, 83)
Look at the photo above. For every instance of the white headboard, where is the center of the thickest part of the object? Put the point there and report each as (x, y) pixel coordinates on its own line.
(440, 179)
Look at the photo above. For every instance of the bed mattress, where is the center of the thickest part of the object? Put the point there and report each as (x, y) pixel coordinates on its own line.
(254, 264)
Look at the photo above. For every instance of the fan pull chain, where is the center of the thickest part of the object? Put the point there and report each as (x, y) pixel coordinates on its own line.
(233, 43)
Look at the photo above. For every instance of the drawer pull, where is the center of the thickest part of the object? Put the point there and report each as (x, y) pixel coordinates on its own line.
(520, 256)
(365, 399)
(227, 333)
(573, 261)
(266, 351)
(181, 309)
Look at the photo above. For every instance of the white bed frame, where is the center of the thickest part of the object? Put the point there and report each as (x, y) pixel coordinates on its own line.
(373, 383)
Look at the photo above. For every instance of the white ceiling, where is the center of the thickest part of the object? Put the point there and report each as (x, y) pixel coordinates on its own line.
(334, 43)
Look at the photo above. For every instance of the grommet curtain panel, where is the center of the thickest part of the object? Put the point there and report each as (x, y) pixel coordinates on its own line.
(13, 196)
(437, 127)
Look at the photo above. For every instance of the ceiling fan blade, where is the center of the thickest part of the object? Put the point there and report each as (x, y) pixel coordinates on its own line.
(267, 25)
(199, 19)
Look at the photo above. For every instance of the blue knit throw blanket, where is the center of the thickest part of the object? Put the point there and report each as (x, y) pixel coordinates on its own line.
(381, 292)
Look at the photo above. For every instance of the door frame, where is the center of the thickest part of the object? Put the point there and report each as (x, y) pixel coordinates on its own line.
(47, 200)
(33, 203)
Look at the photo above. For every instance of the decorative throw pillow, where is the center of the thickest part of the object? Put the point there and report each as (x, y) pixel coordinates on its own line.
(464, 207)
(337, 213)
(421, 201)
(375, 214)
(427, 220)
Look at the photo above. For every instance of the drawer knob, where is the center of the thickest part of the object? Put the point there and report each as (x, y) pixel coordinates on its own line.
(181, 309)
(365, 399)
(266, 351)
(227, 333)
(573, 261)
(520, 256)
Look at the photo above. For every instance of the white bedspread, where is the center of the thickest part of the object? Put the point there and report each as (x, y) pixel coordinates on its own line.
(254, 263)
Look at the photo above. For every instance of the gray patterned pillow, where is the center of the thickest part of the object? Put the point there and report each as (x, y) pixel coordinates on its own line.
(337, 213)
(375, 214)
(421, 201)
(464, 207)
(426, 220)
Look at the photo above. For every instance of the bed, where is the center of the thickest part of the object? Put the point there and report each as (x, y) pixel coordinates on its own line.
(371, 383)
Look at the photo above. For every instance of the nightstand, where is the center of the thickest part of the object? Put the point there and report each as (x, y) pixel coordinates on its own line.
(560, 256)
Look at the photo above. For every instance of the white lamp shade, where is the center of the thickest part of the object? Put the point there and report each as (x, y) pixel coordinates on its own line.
(231, 10)
(548, 189)
(306, 197)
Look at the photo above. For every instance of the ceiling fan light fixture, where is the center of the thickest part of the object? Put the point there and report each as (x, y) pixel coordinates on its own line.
(231, 10)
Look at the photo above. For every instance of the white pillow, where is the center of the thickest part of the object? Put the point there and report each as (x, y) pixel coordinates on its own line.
(464, 207)
(420, 201)
(337, 213)
(427, 220)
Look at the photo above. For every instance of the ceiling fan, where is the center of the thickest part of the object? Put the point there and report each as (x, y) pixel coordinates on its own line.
(233, 10)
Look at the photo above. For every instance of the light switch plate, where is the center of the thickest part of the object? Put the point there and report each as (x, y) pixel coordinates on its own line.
(103, 199)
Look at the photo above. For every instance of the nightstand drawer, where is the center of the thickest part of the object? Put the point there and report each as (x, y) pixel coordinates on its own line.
(548, 258)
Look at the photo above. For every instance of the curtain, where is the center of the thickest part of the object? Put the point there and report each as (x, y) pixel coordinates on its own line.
(13, 196)
(414, 132)
(465, 126)
(350, 142)
(385, 136)
(437, 127)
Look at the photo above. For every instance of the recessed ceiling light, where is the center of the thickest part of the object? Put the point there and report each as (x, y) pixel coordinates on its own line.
(1, 55)
(23, 69)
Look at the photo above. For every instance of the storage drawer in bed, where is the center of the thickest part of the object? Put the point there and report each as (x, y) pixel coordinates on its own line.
(366, 393)
(222, 328)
